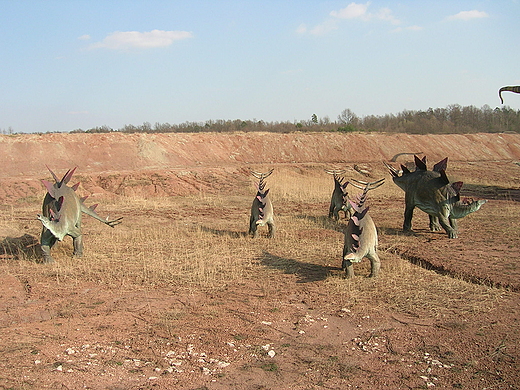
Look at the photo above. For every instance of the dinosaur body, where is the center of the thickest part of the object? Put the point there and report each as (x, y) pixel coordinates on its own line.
(361, 235)
(339, 199)
(432, 192)
(61, 215)
(262, 212)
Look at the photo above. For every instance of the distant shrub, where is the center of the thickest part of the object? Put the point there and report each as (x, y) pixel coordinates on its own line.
(347, 129)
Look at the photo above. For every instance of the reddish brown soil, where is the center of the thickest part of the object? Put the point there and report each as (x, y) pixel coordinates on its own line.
(90, 336)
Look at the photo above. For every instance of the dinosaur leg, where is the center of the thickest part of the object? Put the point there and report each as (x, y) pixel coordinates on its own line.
(272, 229)
(434, 223)
(349, 269)
(47, 241)
(408, 214)
(453, 224)
(253, 227)
(78, 245)
(445, 223)
(331, 210)
(375, 264)
(346, 265)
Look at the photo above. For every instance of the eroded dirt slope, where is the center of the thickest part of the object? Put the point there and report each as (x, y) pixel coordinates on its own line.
(177, 164)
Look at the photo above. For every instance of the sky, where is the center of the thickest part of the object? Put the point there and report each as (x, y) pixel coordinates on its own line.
(68, 65)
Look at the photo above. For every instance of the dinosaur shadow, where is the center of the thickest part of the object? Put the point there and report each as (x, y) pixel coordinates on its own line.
(391, 231)
(23, 247)
(490, 192)
(306, 272)
(220, 232)
(416, 232)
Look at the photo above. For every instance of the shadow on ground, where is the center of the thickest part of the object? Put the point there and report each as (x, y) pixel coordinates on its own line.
(306, 272)
(23, 247)
(491, 192)
(221, 232)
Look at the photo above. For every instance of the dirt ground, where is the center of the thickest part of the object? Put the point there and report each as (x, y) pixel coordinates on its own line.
(289, 321)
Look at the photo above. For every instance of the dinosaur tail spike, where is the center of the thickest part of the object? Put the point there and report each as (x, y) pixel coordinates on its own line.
(83, 199)
(391, 169)
(75, 186)
(93, 207)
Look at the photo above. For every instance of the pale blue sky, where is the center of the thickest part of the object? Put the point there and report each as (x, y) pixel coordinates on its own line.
(79, 64)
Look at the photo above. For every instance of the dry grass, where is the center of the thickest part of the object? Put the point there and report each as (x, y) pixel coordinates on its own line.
(200, 242)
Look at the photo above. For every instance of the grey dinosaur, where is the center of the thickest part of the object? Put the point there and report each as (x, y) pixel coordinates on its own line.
(432, 192)
(515, 89)
(361, 233)
(262, 209)
(339, 199)
(61, 215)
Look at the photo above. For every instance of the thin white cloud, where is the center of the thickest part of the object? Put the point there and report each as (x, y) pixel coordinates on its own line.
(386, 14)
(302, 28)
(325, 27)
(353, 11)
(123, 40)
(468, 15)
(85, 37)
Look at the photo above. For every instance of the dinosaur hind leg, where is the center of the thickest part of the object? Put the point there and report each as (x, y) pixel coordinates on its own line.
(78, 246)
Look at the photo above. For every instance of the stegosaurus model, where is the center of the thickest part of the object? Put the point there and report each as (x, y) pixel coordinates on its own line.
(62, 209)
(262, 209)
(433, 193)
(361, 233)
(339, 199)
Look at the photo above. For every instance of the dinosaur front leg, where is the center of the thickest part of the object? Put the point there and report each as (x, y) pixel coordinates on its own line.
(445, 223)
(348, 267)
(434, 223)
(253, 227)
(47, 241)
(453, 224)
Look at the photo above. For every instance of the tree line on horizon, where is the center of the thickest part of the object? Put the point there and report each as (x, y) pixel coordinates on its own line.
(454, 119)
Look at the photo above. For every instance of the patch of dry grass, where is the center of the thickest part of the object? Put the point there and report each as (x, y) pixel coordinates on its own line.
(200, 242)
(407, 288)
